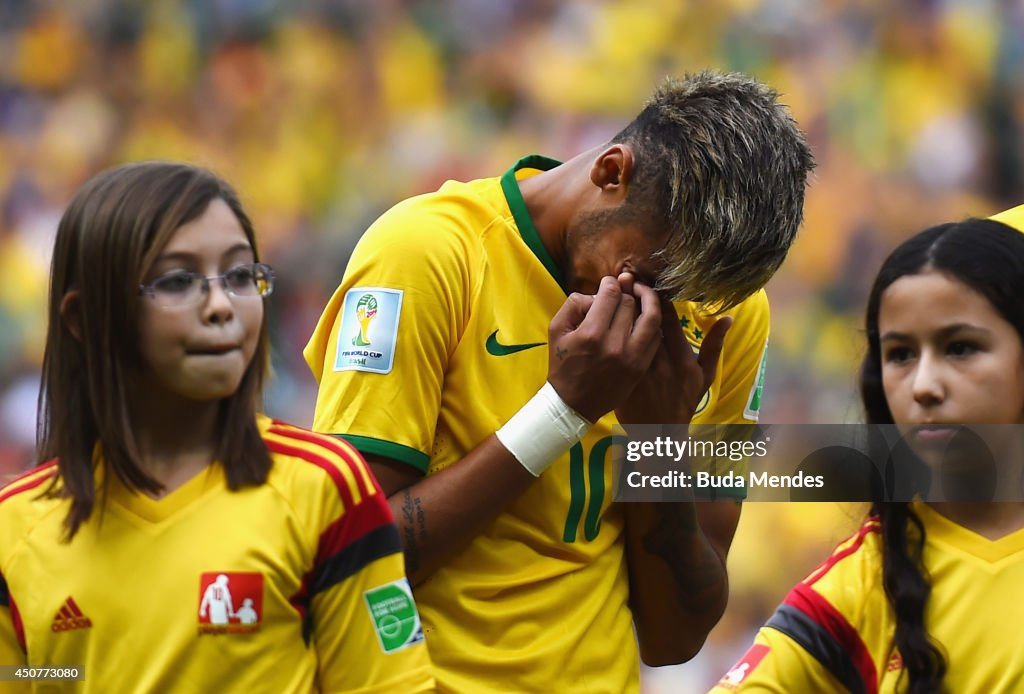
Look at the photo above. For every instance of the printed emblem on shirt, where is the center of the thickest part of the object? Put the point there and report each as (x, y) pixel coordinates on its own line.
(230, 602)
(69, 617)
(895, 662)
(369, 330)
(394, 615)
(496, 349)
(739, 672)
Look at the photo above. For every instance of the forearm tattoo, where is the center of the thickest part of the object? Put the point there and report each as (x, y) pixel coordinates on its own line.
(698, 572)
(413, 519)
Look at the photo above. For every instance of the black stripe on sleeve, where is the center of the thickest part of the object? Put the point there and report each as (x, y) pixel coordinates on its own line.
(5, 597)
(819, 643)
(379, 542)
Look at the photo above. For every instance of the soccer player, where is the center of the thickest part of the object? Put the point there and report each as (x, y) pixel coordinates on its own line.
(166, 498)
(925, 597)
(484, 398)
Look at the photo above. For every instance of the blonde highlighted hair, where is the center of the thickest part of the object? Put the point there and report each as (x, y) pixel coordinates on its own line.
(721, 166)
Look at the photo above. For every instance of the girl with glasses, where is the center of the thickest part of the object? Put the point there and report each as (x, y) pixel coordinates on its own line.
(172, 538)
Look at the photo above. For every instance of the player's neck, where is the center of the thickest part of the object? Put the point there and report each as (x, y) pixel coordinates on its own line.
(176, 442)
(991, 520)
(552, 197)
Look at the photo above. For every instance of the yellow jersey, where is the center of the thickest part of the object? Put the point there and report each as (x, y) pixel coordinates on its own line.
(834, 632)
(295, 585)
(434, 339)
(1013, 217)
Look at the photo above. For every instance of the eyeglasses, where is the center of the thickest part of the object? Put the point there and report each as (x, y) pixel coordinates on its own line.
(177, 289)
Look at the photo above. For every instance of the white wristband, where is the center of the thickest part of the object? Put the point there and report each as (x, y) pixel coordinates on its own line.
(542, 430)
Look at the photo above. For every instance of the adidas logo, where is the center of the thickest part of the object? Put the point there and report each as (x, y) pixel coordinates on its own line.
(70, 617)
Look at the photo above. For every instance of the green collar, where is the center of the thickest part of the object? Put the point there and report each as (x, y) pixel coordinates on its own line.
(514, 197)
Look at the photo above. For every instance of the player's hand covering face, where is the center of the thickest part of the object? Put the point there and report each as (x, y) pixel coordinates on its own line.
(600, 348)
(673, 385)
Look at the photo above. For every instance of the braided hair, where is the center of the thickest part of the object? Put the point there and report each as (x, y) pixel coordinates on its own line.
(988, 257)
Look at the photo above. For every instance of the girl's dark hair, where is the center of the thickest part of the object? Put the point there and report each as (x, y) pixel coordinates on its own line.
(988, 257)
(107, 240)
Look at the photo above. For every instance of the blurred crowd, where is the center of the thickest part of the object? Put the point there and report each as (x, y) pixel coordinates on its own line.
(324, 113)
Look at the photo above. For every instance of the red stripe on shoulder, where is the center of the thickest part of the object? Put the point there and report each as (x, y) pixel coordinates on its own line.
(338, 447)
(371, 514)
(870, 525)
(17, 486)
(321, 462)
(369, 482)
(824, 613)
(48, 465)
(357, 520)
(19, 628)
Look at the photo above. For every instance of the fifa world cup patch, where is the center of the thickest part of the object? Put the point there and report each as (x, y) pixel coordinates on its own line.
(394, 615)
(739, 672)
(369, 330)
(230, 602)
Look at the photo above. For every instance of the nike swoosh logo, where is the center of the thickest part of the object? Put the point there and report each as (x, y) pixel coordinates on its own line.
(496, 349)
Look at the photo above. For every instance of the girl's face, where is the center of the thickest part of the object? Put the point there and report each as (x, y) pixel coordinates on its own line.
(948, 357)
(199, 350)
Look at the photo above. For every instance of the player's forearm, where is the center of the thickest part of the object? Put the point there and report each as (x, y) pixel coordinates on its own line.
(678, 582)
(440, 514)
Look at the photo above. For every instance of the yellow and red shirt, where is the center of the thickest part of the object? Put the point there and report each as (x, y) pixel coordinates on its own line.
(834, 632)
(294, 585)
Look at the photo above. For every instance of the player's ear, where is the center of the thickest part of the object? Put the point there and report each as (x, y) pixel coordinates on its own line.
(71, 313)
(613, 169)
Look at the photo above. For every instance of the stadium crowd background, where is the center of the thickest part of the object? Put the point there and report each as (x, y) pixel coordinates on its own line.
(324, 113)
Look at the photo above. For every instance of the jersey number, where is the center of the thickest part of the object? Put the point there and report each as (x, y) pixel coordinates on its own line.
(578, 496)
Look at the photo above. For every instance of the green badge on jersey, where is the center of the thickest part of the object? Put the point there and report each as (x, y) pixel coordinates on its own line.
(394, 615)
(753, 408)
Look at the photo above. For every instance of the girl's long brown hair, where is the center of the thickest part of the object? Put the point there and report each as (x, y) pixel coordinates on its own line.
(108, 238)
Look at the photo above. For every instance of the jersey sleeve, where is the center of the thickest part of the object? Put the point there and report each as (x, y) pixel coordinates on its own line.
(362, 617)
(741, 371)
(382, 345)
(1013, 217)
(737, 391)
(832, 632)
(776, 664)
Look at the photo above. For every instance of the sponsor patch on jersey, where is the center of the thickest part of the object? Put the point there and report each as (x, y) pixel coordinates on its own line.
(753, 409)
(394, 615)
(369, 330)
(230, 602)
(742, 669)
